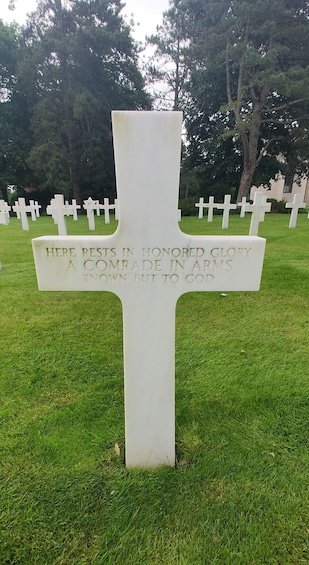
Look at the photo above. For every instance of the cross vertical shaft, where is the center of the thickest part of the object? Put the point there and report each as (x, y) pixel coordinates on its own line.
(147, 175)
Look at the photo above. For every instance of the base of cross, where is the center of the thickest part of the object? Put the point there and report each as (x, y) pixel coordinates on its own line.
(149, 263)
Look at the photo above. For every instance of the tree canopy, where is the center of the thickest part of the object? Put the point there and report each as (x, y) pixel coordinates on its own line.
(77, 61)
(239, 69)
(247, 97)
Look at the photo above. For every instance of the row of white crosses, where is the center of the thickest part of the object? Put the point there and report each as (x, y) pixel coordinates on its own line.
(21, 209)
(258, 209)
(92, 206)
(58, 209)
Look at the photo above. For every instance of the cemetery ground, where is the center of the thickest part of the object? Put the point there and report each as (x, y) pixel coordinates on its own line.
(239, 492)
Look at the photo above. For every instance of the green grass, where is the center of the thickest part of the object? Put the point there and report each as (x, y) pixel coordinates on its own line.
(239, 493)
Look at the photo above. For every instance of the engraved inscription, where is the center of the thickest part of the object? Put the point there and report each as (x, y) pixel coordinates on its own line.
(147, 265)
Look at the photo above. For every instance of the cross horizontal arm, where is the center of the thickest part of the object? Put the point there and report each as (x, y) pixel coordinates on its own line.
(185, 264)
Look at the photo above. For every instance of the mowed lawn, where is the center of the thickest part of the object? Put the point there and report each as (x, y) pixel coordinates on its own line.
(239, 494)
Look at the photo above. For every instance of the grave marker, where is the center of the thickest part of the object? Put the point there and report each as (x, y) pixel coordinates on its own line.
(20, 208)
(266, 207)
(244, 206)
(200, 205)
(71, 209)
(4, 212)
(106, 207)
(258, 209)
(90, 206)
(58, 209)
(295, 206)
(97, 207)
(33, 210)
(210, 205)
(226, 207)
(148, 263)
(35, 206)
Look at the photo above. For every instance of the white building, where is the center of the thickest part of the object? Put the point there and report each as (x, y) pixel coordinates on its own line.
(284, 188)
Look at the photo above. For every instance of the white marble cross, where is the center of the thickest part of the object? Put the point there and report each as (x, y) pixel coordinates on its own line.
(58, 209)
(200, 205)
(295, 206)
(71, 209)
(106, 207)
(21, 208)
(4, 212)
(90, 206)
(210, 205)
(4, 218)
(266, 207)
(244, 206)
(226, 207)
(258, 209)
(35, 209)
(149, 263)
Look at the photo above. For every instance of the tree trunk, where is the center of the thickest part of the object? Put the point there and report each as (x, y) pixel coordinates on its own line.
(245, 183)
(250, 142)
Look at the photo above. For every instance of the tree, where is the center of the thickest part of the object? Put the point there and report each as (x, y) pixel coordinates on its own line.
(168, 66)
(211, 151)
(262, 47)
(15, 135)
(80, 62)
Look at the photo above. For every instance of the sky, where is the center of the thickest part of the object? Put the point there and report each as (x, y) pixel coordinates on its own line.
(147, 13)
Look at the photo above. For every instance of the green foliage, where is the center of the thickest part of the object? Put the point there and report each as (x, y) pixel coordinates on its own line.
(239, 493)
(15, 135)
(75, 61)
(8, 50)
(169, 64)
(278, 206)
(249, 83)
(86, 65)
(187, 206)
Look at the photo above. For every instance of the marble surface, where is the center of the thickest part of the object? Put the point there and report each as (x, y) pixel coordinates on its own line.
(148, 262)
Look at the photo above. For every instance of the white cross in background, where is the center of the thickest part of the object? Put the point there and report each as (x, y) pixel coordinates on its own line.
(4, 212)
(72, 209)
(210, 205)
(258, 209)
(90, 206)
(21, 209)
(226, 207)
(295, 206)
(34, 205)
(106, 207)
